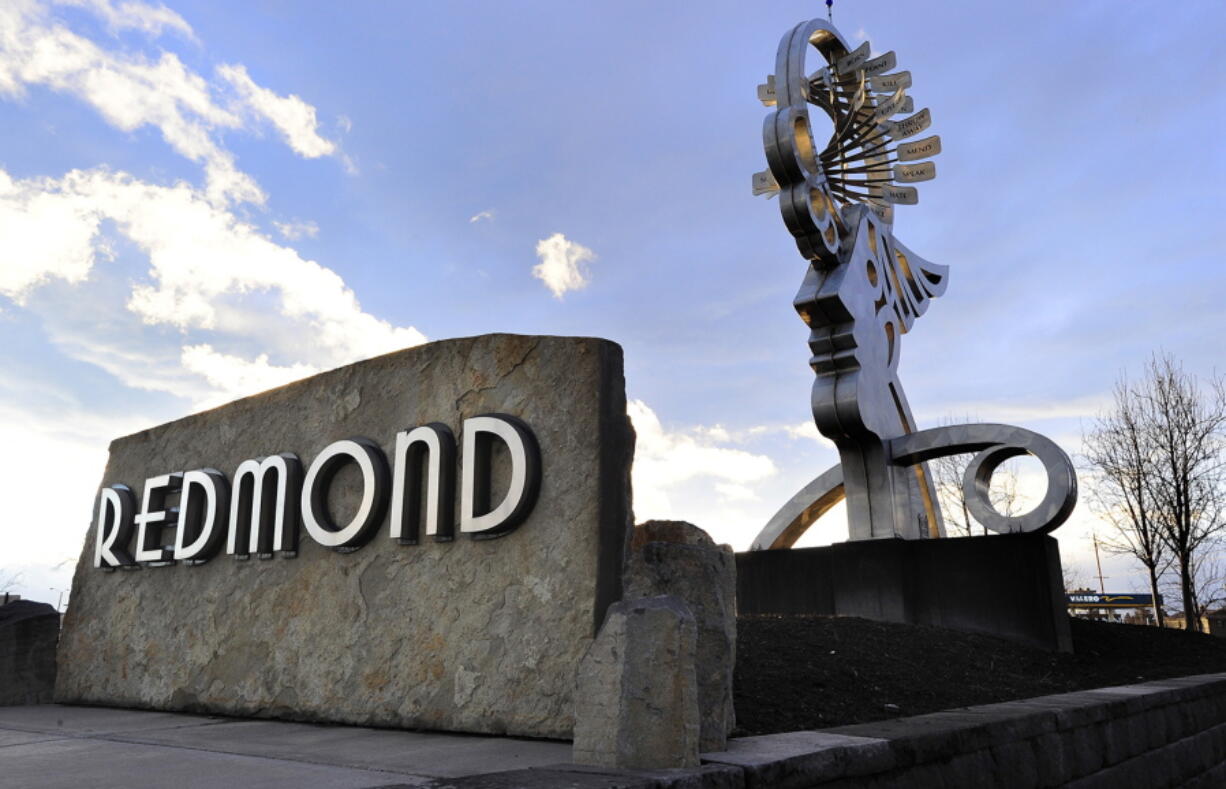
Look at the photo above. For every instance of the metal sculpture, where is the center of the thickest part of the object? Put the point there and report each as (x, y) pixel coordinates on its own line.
(863, 290)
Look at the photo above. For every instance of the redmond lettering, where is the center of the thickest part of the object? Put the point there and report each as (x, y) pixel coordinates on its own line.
(272, 497)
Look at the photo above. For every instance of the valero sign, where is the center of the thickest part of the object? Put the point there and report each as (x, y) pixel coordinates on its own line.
(1110, 600)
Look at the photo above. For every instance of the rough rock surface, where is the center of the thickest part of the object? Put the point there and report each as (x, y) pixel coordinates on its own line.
(678, 558)
(636, 702)
(680, 532)
(470, 635)
(28, 633)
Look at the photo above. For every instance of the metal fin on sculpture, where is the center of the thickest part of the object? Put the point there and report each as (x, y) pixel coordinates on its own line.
(766, 92)
(883, 211)
(931, 278)
(909, 127)
(901, 195)
(913, 173)
(888, 83)
(920, 149)
(765, 184)
(853, 59)
(890, 106)
(879, 64)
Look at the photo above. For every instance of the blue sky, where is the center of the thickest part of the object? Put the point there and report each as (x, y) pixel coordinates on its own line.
(201, 200)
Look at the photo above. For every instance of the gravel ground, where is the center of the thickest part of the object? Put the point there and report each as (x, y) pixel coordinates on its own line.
(812, 672)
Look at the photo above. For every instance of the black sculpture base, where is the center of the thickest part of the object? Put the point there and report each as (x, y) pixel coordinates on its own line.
(1006, 585)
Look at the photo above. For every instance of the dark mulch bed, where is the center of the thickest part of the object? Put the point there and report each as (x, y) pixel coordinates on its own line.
(813, 672)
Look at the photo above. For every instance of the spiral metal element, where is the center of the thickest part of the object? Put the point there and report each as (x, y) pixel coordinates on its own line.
(992, 444)
(864, 160)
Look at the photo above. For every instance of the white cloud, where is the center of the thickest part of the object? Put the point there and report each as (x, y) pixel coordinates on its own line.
(223, 309)
(297, 229)
(1009, 412)
(716, 433)
(563, 265)
(233, 376)
(131, 91)
(135, 360)
(292, 116)
(209, 271)
(665, 459)
(734, 491)
(486, 216)
(129, 15)
(807, 430)
(44, 234)
(63, 453)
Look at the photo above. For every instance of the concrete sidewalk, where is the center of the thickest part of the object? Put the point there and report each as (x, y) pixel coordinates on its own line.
(60, 746)
(1169, 732)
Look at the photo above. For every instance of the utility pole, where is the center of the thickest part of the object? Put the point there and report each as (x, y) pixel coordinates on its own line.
(1101, 586)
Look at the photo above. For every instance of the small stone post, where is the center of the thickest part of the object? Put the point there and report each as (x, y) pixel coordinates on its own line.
(636, 701)
(680, 559)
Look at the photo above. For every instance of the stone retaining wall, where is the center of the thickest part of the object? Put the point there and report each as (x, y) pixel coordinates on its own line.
(1164, 733)
(28, 635)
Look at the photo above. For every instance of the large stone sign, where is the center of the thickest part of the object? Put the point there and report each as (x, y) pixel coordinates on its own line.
(426, 539)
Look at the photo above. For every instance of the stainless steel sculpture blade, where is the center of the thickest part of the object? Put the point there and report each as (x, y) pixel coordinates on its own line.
(857, 313)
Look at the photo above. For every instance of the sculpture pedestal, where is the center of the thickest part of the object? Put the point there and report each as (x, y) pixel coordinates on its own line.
(1007, 585)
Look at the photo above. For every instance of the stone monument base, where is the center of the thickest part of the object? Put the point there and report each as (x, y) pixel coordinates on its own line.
(1007, 585)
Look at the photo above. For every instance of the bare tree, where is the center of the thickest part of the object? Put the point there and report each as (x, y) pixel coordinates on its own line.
(1208, 579)
(1122, 454)
(1188, 431)
(1161, 455)
(1209, 576)
(1074, 579)
(947, 479)
(947, 475)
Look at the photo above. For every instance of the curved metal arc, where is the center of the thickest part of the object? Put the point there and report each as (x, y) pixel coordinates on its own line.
(804, 199)
(802, 511)
(790, 78)
(996, 443)
(993, 443)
